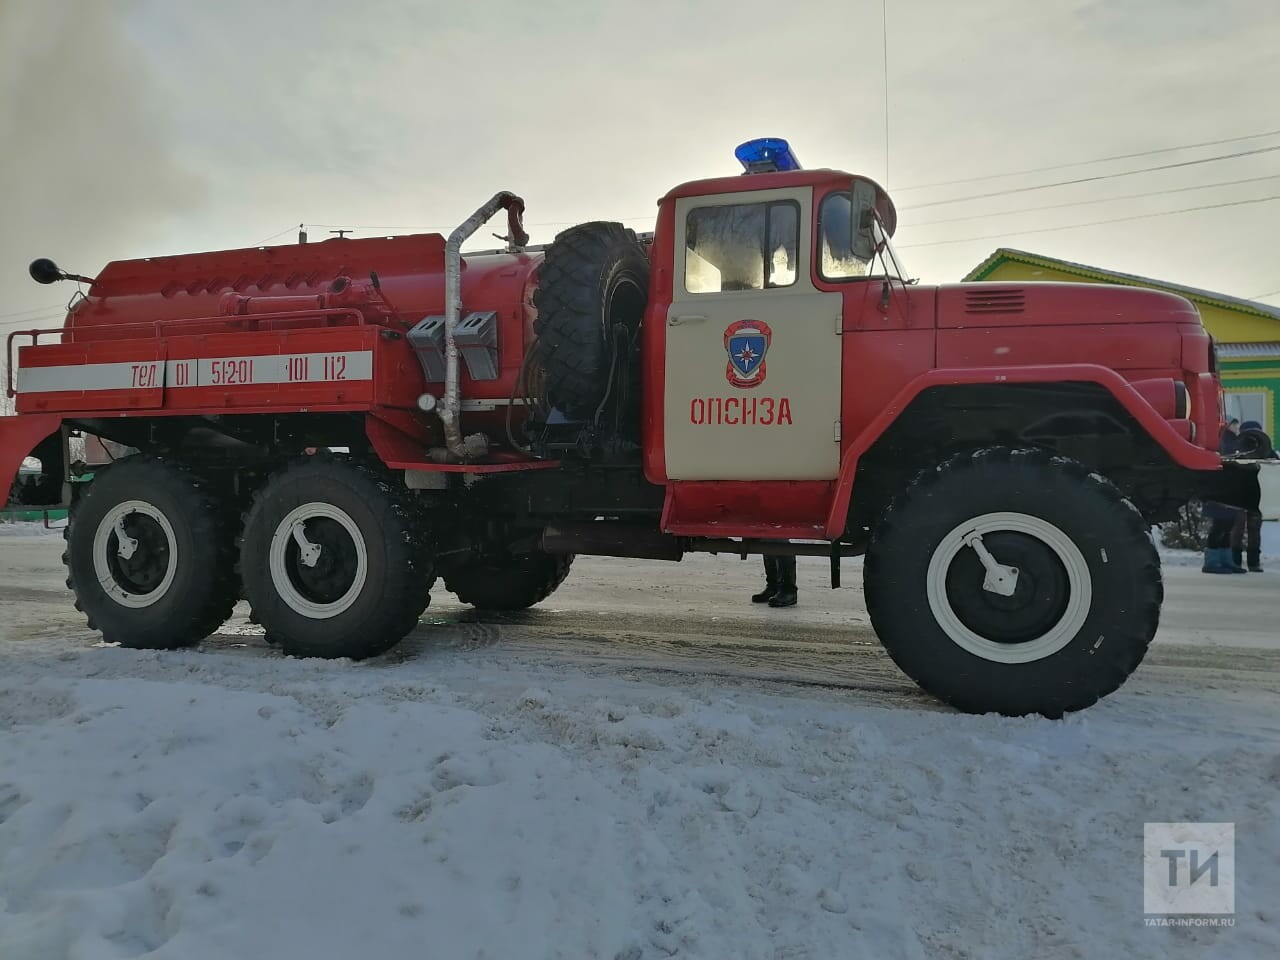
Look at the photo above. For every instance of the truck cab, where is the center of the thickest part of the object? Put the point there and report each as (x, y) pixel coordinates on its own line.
(784, 343)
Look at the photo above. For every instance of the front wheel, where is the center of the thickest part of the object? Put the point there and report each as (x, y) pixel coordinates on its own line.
(1015, 582)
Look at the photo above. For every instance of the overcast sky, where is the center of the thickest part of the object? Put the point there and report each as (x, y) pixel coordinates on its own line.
(159, 126)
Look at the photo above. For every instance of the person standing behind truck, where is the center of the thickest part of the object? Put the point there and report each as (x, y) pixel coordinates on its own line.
(1246, 531)
(780, 582)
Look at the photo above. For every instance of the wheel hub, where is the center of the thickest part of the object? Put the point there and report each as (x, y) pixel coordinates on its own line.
(134, 553)
(321, 560)
(1009, 587)
(318, 561)
(1022, 607)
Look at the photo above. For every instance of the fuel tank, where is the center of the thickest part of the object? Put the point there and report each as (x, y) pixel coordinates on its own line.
(390, 281)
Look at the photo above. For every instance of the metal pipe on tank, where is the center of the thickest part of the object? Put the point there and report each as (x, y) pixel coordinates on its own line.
(451, 404)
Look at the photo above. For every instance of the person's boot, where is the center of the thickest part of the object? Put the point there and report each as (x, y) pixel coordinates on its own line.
(767, 594)
(1237, 565)
(1217, 560)
(786, 595)
(770, 582)
(1255, 562)
(1237, 557)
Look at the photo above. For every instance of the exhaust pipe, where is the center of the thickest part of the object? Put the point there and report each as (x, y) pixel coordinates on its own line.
(516, 239)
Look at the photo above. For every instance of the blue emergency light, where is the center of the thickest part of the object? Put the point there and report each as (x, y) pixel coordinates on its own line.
(766, 155)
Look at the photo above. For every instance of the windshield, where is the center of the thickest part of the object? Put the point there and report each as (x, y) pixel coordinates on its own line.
(836, 259)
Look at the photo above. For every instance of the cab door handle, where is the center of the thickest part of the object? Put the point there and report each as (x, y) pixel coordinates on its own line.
(684, 318)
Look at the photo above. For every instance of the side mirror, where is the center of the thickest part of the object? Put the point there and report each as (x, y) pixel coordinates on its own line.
(45, 270)
(862, 241)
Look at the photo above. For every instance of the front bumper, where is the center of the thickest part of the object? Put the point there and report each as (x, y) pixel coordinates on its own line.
(1269, 489)
(1253, 484)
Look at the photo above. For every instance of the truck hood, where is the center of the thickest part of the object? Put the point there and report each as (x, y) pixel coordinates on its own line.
(962, 305)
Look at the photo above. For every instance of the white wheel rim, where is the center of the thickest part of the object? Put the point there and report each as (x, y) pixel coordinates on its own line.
(1079, 581)
(103, 551)
(278, 561)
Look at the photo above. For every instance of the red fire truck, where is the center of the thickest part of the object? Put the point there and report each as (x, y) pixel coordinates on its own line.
(325, 428)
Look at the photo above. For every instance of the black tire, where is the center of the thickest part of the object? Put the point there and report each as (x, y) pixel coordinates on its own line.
(1082, 614)
(511, 583)
(1255, 445)
(595, 277)
(189, 605)
(335, 607)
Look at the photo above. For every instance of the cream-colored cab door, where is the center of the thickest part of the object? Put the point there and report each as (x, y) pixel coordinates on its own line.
(752, 386)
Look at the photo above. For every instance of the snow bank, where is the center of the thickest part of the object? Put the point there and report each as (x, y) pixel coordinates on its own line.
(30, 528)
(469, 804)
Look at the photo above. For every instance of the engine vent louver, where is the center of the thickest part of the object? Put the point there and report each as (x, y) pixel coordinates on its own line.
(986, 302)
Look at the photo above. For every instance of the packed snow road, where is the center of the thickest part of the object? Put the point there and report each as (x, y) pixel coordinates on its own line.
(646, 766)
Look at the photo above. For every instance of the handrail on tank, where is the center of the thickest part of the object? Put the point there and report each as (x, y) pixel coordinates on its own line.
(238, 320)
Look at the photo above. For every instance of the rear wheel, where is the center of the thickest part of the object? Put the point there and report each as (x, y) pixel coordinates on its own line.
(509, 583)
(1015, 582)
(150, 555)
(333, 562)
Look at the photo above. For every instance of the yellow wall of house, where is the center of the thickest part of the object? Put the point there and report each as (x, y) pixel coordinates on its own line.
(1225, 325)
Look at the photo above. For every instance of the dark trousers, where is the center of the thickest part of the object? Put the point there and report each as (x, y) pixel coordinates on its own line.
(1246, 535)
(780, 571)
(1220, 533)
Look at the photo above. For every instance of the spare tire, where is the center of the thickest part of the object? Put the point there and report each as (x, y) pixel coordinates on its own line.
(1255, 444)
(595, 278)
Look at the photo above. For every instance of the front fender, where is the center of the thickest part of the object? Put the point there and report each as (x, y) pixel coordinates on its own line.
(1180, 450)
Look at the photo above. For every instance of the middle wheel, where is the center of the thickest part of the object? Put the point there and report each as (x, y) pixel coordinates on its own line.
(331, 561)
(512, 582)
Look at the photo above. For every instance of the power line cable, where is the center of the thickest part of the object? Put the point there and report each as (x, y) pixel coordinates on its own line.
(1082, 203)
(1093, 223)
(22, 313)
(1083, 163)
(1097, 177)
(288, 229)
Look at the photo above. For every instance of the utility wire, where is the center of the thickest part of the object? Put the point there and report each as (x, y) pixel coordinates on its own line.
(288, 229)
(1093, 223)
(1082, 203)
(1100, 176)
(1083, 163)
(1263, 296)
(23, 313)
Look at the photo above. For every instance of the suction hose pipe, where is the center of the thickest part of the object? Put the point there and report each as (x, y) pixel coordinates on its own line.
(516, 239)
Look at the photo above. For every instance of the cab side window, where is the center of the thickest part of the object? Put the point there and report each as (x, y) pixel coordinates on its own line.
(837, 261)
(746, 246)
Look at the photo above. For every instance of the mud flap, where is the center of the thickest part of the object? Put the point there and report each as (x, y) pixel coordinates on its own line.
(33, 435)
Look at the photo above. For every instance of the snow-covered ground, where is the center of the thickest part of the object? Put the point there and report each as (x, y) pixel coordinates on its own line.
(601, 779)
